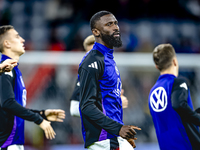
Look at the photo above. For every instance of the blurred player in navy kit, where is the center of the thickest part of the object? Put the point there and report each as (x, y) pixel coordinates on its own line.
(74, 100)
(100, 90)
(13, 97)
(170, 105)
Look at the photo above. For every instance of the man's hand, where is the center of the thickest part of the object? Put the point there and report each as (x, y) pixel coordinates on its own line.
(132, 142)
(128, 132)
(55, 115)
(124, 100)
(8, 65)
(48, 130)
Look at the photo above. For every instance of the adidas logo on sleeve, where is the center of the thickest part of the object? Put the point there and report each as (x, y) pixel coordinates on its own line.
(93, 65)
(9, 73)
(184, 85)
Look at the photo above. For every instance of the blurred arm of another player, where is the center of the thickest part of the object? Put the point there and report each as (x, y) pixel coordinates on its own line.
(124, 100)
(74, 104)
(74, 108)
(74, 101)
(179, 99)
(7, 65)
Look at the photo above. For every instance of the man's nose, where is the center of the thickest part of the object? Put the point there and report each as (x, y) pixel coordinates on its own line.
(116, 27)
(23, 40)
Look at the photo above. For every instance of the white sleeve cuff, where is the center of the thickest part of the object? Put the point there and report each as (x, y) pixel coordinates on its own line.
(74, 108)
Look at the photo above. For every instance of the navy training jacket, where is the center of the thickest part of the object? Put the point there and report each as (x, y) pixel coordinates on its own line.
(100, 90)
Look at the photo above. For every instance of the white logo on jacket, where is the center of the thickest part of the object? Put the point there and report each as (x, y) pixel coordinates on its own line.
(93, 65)
(158, 99)
(78, 84)
(117, 91)
(184, 85)
(116, 70)
(9, 73)
(22, 81)
(24, 97)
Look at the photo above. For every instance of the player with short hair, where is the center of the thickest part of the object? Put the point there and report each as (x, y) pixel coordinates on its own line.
(100, 89)
(74, 100)
(88, 43)
(170, 105)
(13, 97)
(8, 64)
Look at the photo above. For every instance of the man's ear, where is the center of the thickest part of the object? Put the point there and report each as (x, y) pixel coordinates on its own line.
(174, 61)
(96, 32)
(6, 43)
(156, 67)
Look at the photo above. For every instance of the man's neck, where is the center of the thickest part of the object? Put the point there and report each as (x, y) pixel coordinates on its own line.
(169, 71)
(11, 55)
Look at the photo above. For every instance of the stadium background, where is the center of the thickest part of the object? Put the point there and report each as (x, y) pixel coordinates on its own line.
(54, 31)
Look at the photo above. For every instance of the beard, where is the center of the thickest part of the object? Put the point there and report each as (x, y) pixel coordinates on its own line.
(111, 41)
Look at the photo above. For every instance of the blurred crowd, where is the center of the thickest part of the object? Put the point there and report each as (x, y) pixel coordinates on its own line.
(62, 25)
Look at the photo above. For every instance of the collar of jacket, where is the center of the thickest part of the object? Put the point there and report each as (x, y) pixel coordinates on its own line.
(4, 57)
(103, 49)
